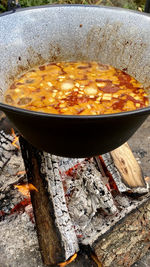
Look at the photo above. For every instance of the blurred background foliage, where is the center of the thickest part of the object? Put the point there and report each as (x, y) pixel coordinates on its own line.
(131, 4)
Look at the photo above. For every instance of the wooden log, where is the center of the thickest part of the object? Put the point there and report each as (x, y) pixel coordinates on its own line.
(128, 241)
(57, 239)
(89, 206)
(5, 124)
(128, 167)
(6, 149)
(88, 194)
(122, 166)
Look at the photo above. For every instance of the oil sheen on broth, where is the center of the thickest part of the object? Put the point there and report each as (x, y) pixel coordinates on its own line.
(76, 88)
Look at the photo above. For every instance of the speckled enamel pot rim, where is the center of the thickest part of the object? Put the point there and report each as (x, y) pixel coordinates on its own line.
(73, 5)
(143, 111)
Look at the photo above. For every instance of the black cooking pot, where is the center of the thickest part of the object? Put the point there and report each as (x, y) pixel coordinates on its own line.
(112, 36)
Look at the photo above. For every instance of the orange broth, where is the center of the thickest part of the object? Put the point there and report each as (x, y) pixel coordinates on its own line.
(76, 88)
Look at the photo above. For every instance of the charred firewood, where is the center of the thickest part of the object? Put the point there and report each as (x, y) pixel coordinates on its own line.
(75, 201)
(88, 208)
(57, 239)
(6, 148)
(88, 194)
(128, 240)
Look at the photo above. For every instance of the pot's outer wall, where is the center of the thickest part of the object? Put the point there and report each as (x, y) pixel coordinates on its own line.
(112, 36)
(74, 137)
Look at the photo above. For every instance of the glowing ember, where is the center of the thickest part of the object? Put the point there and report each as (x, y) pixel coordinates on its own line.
(62, 264)
(20, 207)
(112, 185)
(26, 188)
(15, 139)
(20, 173)
(96, 260)
(71, 170)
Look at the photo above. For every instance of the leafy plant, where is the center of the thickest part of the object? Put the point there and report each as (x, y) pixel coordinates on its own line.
(28, 3)
(131, 4)
(3, 5)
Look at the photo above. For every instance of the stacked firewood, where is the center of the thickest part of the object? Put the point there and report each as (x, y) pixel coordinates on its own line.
(79, 201)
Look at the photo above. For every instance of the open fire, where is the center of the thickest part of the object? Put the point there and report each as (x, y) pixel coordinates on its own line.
(15, 139)
(25, 189)
(63, 264)
(93, 194)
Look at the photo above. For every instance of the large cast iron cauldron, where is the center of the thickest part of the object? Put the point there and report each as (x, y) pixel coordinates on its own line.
(54, 33)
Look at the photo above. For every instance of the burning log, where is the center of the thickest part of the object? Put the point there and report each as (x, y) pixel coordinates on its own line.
(7, 145)
(79, 201)
(88, 194)
(56, 235)
(6, 148)
(97, 195)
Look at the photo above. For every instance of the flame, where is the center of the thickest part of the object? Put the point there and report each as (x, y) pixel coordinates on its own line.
(94, 257)
(147, 179)
(20, 172)
(62, 264)
(25, 189)
(15, 139)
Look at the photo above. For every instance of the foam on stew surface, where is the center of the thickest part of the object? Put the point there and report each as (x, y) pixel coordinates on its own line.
(77, 88)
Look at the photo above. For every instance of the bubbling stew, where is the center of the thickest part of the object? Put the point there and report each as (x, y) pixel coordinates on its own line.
(77, 88)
